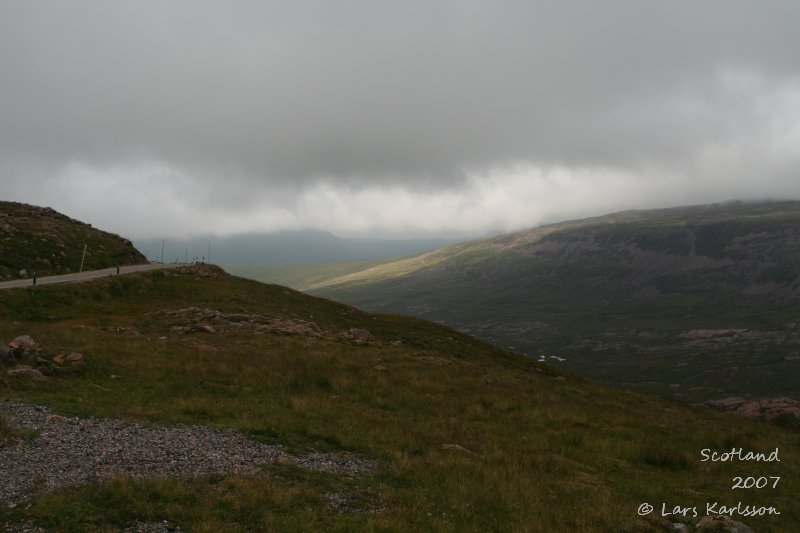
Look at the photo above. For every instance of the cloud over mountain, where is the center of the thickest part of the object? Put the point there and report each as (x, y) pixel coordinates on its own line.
(263, 115)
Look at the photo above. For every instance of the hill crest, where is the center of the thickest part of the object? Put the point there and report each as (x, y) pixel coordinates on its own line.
(42, 240)
(462, 435)
(612, 298)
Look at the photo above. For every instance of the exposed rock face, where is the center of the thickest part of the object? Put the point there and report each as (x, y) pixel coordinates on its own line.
(783, 410)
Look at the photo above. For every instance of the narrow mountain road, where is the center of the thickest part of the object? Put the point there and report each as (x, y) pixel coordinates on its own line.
(83, 276)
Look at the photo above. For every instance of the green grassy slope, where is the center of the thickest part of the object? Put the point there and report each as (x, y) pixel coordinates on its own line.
(621, 297)
(41, 240)
(468, 437)
(299, 276)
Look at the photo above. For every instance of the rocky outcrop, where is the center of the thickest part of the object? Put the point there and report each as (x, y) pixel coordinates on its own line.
(203, 270)
(785, 411)
(75, 357)
(5, 356)
(359, 336)
(23, 358)
(195, 319)
(23, 346)
(722, 524)
(25, 371)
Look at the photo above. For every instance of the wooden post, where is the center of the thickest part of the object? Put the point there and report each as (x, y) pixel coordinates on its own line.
(83, 258)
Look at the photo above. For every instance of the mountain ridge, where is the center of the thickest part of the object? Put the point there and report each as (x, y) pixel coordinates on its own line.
(463, 435)
(614, 295)
(291, 246)
(458, 434)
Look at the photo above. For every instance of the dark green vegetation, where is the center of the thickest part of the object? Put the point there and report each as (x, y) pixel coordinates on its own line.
(41, 240)
(691, 303)
(468, 437)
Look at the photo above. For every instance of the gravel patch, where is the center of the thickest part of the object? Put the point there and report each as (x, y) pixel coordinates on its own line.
(27, 526)
(83, 450)
(340, 463)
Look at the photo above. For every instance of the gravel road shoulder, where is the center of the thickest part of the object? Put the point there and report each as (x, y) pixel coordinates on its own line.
(73, 450)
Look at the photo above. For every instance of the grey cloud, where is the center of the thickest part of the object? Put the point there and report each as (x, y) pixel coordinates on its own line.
(249, 96)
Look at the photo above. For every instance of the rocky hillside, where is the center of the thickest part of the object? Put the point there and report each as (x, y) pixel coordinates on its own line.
(42, 240)
(190, 400)
(695, 303)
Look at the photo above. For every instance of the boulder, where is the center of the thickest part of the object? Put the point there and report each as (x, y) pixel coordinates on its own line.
(59, 359)
(360, 336)
(722, 524)
(24, 347)
(75, 358)
(294, 327)
(5, 356)
(24, 371)
(24, 344)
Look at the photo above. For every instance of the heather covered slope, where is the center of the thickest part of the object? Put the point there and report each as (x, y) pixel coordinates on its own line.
(693, 303)
(41, 240)
(465, 436)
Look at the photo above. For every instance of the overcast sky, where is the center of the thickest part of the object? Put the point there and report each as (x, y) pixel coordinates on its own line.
(403, 118)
